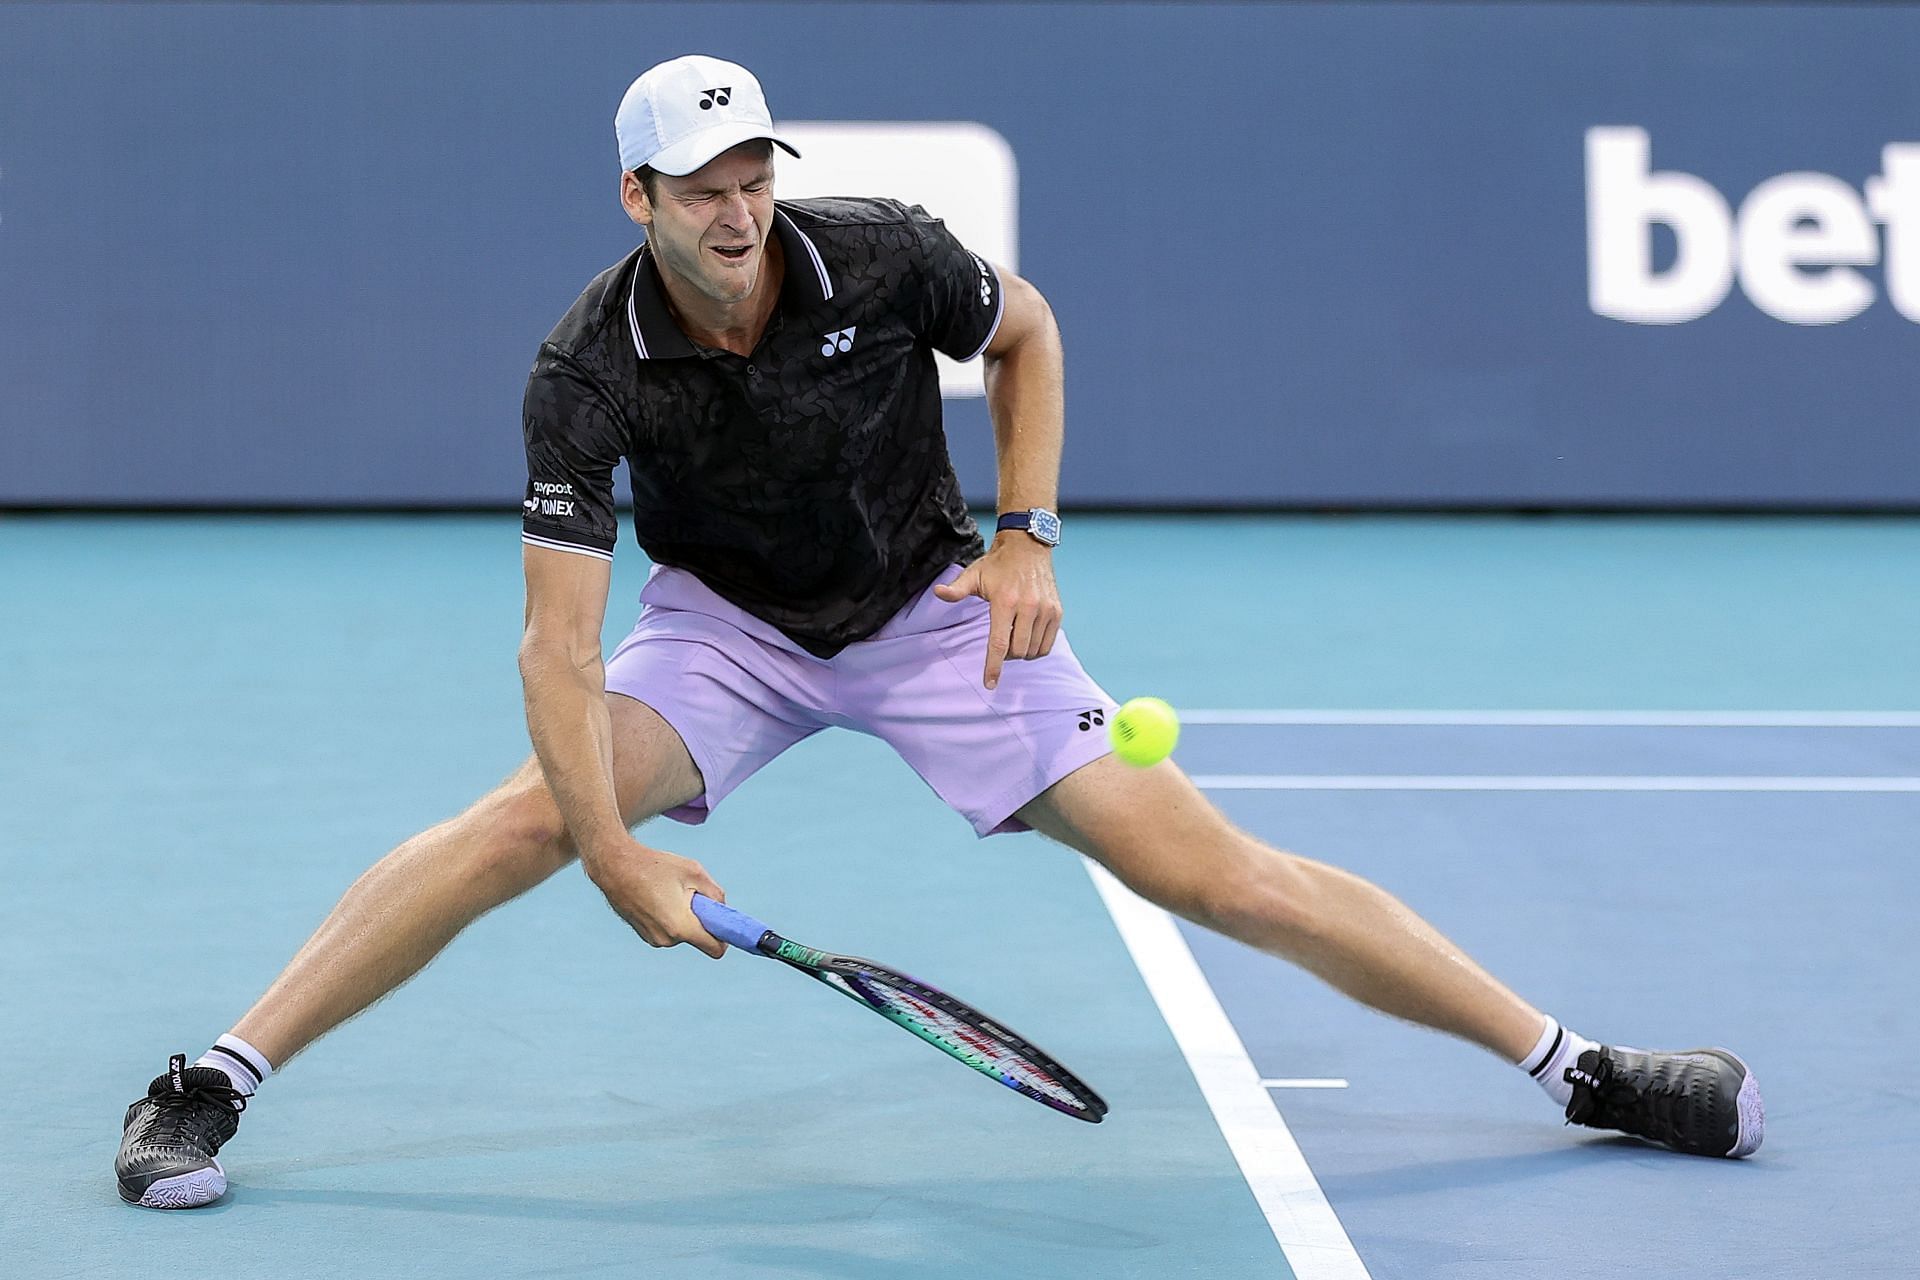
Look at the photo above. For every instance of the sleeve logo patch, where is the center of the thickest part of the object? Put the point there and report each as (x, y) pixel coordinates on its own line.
(549, 500)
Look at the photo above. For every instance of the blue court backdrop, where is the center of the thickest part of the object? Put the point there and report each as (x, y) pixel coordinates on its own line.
(1316, 254)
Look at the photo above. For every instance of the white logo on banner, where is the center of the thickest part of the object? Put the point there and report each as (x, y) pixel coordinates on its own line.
(1795, 244)
(962, 172)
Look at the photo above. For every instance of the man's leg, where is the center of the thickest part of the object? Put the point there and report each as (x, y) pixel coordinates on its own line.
(394, 919)
(411, 903)
(1154, 830)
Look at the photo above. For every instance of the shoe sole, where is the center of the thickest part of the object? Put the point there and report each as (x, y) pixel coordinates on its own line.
(1746, 1104)
(184, 1190)
(1753, 1114)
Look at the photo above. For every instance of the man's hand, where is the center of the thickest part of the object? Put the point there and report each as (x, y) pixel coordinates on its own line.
(1016, 578)
(653, 891)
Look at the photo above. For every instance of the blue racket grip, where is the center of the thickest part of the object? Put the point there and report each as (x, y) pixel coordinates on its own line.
(735, 928)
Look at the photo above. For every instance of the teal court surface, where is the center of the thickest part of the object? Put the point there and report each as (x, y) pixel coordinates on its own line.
(1662, 775)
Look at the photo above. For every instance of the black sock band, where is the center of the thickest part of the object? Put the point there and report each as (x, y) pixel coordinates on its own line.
(1559, 1034)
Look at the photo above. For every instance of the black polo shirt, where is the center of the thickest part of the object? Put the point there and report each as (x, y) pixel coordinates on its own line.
(809, 482)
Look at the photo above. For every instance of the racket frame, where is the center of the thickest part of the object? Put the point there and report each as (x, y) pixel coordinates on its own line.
(848, 974)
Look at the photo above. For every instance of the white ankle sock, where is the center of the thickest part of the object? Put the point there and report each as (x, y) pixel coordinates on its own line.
(239, 1061)
(1555, 1051)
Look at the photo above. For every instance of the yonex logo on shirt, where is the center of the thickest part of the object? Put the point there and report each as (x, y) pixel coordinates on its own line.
(986, 280)
(709, 98)
(837, 341)
(1088, 719)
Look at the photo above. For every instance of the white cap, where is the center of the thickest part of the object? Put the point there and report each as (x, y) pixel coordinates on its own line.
(683, 113)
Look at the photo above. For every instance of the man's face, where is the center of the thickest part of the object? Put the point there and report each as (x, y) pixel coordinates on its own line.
(710, 228)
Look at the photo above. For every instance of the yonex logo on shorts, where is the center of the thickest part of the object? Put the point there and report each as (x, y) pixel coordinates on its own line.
(709, 98)
(837, 341)
(1088, 719)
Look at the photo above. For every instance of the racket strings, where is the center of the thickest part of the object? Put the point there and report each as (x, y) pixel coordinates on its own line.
(970, 1043)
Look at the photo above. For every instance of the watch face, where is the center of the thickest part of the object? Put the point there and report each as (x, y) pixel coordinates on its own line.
(1046, 527)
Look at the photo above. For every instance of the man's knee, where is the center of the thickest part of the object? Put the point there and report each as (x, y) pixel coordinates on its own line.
(514, 837)
(1254, 891)
(517, 837)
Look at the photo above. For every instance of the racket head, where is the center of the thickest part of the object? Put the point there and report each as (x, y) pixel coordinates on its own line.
(962, 1032)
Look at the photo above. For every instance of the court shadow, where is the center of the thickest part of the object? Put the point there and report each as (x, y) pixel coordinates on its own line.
(467, 1203)
(1503, 1169)
(456, 1145)
(945, 1207)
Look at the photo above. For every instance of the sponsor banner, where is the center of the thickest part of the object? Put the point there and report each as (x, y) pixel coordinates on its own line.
(1303, 255)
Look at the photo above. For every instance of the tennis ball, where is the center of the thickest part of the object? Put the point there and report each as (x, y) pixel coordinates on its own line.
(1144, 731)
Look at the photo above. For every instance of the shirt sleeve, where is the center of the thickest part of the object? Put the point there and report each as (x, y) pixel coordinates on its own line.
(573, 444)
(961, 295)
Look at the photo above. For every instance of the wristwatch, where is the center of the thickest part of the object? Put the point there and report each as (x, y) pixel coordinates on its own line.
(1040, 522)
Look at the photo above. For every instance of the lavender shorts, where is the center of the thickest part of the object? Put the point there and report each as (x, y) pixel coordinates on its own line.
(738, 693)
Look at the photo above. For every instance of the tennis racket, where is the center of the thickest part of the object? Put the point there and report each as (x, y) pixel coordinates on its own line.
(930, 1013)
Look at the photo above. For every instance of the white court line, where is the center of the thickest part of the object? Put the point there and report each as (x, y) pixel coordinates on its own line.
(1551, 782)
(1573, 719)
(1309, 1233)
(1292, 1082)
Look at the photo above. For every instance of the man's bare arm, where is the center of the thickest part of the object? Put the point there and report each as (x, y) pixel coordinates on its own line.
(1026, 399)
(1025, 376)
(565, 680)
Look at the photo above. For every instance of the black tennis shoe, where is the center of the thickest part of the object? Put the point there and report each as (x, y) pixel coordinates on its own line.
(169, 1138)
(1703, 1102)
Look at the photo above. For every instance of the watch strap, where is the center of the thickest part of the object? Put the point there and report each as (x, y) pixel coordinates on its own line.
(1042, 524)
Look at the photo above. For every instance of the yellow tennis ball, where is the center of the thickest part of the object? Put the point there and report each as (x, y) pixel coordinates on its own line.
(1144, 731)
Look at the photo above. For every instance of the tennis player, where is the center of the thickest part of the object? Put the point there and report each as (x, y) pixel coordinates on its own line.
(766, 369)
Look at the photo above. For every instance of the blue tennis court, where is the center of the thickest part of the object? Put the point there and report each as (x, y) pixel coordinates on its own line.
(1662, 775)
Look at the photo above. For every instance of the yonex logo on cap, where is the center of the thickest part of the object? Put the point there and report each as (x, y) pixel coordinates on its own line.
(674, 118)
(837, 341)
